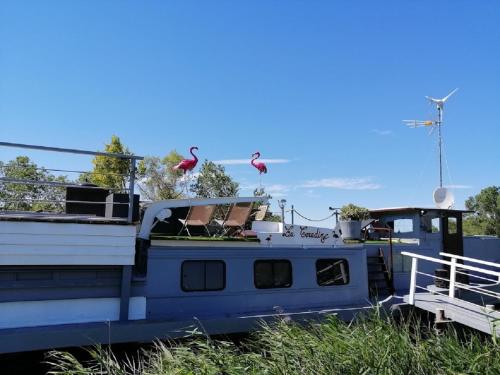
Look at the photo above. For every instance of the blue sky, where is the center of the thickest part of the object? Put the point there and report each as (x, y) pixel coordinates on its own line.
(322, 86)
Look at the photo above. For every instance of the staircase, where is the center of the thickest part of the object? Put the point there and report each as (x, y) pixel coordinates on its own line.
(379, 277)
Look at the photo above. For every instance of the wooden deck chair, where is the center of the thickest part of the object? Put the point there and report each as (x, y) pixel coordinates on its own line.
(198, 216)
(260, 213)
(236, 218)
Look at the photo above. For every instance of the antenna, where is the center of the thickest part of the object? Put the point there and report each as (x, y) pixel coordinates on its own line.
(435, 124)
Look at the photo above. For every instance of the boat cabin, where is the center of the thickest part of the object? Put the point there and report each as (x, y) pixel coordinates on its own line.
(426, 231)
(68, 279)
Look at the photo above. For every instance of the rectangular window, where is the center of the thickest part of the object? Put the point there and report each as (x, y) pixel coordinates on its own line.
(436, 225)
(452, 225)
(332, 272)
(403, 225)
(272, 274)
(203, 275)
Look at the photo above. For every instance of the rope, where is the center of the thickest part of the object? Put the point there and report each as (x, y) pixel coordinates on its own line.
(446, 163)
(308, 219)
(423, 169)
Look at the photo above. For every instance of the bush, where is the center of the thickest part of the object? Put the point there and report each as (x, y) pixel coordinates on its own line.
(353, 212)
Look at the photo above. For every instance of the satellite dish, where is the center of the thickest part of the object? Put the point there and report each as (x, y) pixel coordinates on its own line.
(443, 198)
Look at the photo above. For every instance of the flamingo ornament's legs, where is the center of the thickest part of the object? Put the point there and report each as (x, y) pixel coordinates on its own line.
(187, 178)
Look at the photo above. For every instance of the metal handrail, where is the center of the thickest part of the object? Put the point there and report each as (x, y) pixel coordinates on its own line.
(472, 260)
(45, 169)
(454, 265)
(51, 183)
(72, 151)
(131, 176)
(29, 200)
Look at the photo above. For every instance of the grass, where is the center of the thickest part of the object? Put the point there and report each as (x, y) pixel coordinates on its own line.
(369, 345)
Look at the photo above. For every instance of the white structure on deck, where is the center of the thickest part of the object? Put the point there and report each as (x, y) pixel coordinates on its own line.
(474, 304)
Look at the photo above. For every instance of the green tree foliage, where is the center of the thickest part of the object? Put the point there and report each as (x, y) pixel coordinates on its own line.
(110, 172)
(486, 219)
(157, 179)
(25, 196)
(213, 182)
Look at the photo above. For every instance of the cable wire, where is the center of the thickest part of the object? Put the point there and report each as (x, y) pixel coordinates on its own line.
(308, 219)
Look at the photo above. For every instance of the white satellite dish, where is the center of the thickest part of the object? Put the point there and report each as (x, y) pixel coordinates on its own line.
(443, 198)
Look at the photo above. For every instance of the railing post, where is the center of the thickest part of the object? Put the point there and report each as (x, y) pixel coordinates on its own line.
(453, 273)
(413, 281)
(131, 191)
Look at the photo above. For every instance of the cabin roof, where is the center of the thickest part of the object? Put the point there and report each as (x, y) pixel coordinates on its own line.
(405, 210)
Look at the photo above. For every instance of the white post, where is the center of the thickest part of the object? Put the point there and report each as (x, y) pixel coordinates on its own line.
(413, 281)
(453, 272)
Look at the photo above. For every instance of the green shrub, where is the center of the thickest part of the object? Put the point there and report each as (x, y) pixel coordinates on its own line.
(353, 212)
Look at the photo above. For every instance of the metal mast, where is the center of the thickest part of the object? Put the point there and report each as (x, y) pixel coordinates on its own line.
(440, 141)
(419, 123)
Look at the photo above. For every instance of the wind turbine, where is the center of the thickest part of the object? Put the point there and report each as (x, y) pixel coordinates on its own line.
(435, 123)
(440, 102)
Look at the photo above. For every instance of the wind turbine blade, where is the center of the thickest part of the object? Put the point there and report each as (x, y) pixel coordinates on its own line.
(450, 94)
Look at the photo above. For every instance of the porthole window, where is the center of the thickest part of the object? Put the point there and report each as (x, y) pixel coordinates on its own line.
(203, 275)
(332, 272)
(272, 274)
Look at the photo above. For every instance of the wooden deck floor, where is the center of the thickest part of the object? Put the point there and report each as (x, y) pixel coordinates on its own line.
(460, 311)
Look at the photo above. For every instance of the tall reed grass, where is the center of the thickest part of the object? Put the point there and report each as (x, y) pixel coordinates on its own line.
(377, 344)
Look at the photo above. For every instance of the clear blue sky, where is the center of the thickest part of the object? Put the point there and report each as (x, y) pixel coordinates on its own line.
(321, 84)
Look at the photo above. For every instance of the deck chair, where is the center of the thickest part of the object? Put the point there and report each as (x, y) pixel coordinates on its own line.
(236, 218)
(260, 213)
(198, 216)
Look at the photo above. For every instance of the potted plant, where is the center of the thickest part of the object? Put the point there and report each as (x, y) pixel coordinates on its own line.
(350, 221)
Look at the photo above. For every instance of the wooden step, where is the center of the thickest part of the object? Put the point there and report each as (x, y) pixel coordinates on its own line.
(378, 272)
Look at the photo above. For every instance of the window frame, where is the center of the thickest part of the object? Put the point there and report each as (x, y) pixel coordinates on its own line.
(273, 262)
(205, 261)
(333, 260)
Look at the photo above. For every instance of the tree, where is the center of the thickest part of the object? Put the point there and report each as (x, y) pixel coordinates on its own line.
(27, 196)
(213, 182)
(157, 178)
(110, 172)
(486, 217)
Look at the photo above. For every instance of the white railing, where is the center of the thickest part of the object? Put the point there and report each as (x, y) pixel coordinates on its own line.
(455, 268)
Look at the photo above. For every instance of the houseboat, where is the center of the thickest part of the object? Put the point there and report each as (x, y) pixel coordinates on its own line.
(109, 271)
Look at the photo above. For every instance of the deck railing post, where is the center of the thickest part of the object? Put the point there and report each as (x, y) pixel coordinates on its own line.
(453, 273)
(413, 280)
(131, 191)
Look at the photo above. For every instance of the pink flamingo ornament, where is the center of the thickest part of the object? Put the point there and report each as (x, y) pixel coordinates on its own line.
(188, 164)
(260, 166)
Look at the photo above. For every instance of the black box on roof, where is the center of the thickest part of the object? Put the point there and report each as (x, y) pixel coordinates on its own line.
(121, 210)
(86, 193)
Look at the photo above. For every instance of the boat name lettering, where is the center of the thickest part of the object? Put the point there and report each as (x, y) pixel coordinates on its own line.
(317, 234)
(288, 232)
